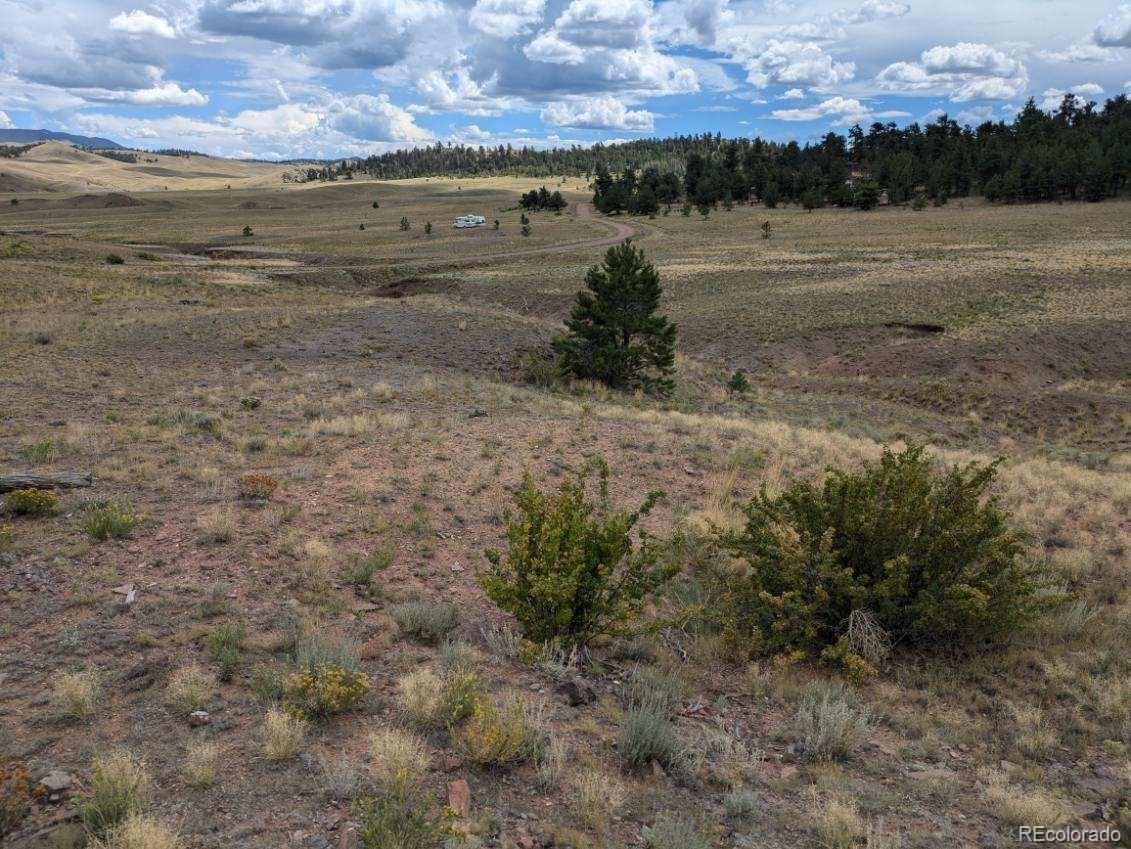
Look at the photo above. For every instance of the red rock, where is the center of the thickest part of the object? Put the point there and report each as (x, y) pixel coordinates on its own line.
(459, 797)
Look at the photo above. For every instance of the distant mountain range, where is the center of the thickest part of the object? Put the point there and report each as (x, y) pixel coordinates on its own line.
(28, 136)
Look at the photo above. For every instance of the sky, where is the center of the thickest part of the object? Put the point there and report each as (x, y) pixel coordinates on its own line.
(279, 79)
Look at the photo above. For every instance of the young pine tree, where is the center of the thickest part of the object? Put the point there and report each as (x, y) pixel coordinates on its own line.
(615, 335)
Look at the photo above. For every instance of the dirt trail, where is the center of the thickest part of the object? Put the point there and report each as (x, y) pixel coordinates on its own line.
(585, 211)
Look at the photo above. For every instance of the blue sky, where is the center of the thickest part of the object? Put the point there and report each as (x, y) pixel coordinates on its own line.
(290, 78)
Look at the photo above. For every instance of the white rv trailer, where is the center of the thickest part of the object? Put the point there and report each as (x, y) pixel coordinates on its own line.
(469, 221)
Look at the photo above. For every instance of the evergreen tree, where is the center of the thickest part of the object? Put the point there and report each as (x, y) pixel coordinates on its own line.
(867, 195)
(614, 334)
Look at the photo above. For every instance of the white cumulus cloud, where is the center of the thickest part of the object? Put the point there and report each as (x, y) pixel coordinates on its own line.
(596, 113)
(139, 22)
(964, 71)
(841, 111)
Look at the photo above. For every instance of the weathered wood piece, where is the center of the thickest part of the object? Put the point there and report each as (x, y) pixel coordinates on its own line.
(59, 480)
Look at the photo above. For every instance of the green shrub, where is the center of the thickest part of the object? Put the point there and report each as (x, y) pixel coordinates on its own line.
(537, 367)
(394, 822)
(38, 452)
(572, 570)
(463, 691)
(114, 259)
(224, 645)
(738, 383)
(109, 519)
(424, 621)
(268, 683)
(931, 560)
(359, 569)
(31, 502)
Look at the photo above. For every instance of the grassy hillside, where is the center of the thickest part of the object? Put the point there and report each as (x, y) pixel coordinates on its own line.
(303, 440)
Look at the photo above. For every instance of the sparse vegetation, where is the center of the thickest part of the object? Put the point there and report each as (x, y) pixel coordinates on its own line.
(378, 392)
(138, 831)
(16, 795)
(673, 832)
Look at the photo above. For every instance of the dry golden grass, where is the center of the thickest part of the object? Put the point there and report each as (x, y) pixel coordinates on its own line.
(420, 696)
(76, 694)
(282, 734)
(139, 832)
(190, 688)
(397, 758)
(201, 763)
(1019, 805)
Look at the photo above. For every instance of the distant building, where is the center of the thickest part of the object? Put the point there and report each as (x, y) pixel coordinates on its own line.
(469, 221)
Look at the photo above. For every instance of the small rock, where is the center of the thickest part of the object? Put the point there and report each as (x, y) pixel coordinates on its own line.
(198, 718)
(57, 781)
(576, 692)
(459, 798)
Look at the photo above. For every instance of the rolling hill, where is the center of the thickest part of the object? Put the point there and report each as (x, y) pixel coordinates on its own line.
(55, 166)
(17, 136)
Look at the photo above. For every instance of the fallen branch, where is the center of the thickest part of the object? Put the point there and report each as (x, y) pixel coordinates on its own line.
(60, 480)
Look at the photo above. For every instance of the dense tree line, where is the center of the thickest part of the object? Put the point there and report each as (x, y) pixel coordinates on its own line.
(12, 151)
(1075, 152)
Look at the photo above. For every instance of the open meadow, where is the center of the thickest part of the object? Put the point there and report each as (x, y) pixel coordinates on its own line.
(304, 434)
